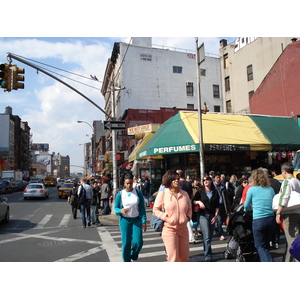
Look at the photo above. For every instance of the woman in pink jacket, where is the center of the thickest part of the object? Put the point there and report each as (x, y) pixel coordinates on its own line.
(177, 212)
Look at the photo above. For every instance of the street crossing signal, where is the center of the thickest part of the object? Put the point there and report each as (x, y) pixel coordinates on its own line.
(16, 77)
(5, 77)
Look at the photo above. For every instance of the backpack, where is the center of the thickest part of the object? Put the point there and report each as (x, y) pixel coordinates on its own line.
(74, 197)
(82, 195)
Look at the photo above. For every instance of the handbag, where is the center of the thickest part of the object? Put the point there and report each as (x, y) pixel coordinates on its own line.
(156, 223)
(196, 207)
(295, 248)
(293, 203)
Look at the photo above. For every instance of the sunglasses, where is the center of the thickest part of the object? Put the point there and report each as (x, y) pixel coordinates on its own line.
(206, 179)
(245, 181)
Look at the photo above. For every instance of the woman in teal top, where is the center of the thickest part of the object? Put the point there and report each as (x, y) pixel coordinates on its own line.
(259, 197)
(130, 207)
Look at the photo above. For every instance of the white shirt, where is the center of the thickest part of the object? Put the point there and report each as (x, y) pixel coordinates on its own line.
(130, 201)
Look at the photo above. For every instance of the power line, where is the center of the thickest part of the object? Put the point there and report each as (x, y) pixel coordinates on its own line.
(85, 77)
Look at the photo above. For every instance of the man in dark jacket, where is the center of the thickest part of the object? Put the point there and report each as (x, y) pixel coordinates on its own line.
(184, 184)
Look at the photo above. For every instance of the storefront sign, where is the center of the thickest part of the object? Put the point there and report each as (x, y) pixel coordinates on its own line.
(170, 150)
(142, 129)
(225, 147)
(217, 159)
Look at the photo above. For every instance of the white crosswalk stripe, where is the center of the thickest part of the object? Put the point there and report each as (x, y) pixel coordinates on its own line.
(65, 220)
(43, 222)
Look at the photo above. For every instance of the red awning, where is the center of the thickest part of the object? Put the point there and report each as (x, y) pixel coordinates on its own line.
(126, 165)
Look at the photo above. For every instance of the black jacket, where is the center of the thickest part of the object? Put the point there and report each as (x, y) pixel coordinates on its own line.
(210, 204)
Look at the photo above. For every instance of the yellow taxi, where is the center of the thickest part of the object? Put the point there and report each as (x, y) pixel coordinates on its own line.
(63, 191)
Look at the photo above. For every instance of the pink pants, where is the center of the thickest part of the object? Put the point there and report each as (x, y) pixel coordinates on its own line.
(177, 243)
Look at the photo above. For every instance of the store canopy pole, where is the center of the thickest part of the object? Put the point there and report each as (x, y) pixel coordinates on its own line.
(199, 59)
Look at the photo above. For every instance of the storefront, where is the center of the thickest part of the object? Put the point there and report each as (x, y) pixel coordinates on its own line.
(151, 166)
(232, 143)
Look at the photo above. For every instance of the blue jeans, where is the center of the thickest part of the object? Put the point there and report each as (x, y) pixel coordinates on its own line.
(207, 232)
(263, 229)
(95, 214)
(85, 209)
(105, 206)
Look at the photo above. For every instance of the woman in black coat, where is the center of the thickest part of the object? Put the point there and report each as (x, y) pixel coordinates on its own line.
(208, 200)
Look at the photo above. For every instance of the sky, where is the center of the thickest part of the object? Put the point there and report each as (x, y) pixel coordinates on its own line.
(52, 109)
(80, 39)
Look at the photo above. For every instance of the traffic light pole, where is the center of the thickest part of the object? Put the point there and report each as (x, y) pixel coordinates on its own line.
(114, 150)
(12, 56)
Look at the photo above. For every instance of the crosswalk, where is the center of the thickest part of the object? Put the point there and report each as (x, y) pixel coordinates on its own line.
(154, 250)
(45, 222)
(110, 239)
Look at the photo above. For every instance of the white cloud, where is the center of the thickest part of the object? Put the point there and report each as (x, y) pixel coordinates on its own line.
(50, 108)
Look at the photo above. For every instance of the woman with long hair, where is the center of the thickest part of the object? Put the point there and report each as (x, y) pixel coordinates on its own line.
(208, 200)
(259, 198)
(173, 206)
(130, 207)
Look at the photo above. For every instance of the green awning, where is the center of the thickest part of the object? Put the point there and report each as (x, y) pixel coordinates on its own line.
(282, 132)
(172, 137)
(223, 132)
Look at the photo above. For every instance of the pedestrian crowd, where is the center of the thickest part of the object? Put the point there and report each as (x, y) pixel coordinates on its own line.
(92, 198)
(198, 209)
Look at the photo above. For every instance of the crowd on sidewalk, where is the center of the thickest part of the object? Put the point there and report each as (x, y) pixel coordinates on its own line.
(92, 198)
(191, 210)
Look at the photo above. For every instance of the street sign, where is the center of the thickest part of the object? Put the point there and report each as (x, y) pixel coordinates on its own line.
(125, 137)
(114, 125)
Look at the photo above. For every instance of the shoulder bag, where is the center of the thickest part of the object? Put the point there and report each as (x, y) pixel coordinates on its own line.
(293, 203)
(156, 223)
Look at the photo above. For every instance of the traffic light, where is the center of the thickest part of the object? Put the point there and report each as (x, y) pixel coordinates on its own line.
(16, 77)
(5, 77)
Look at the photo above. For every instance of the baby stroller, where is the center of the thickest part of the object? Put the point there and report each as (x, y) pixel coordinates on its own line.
(241, 244)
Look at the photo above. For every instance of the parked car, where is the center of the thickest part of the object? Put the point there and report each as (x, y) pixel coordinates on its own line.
(4, 210)
(5, 187)
(21, 184)
(35, 190)
(64, 190)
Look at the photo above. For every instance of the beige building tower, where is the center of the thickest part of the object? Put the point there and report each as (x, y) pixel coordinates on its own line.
(244, 65)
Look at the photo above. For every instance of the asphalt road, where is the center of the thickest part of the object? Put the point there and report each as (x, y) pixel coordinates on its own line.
(44, 231)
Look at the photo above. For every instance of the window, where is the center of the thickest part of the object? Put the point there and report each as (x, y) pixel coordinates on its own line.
(228, 106)
(190, 106)
(249, 73)
(250, 94)
(227, 84)
(217, 108)
(216, 91)
(225, 58)
(177, 69)
(202, 72)
(189, 89)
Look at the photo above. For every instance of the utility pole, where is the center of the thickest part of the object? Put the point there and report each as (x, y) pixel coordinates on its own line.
(114, 144)
(199, 59)
(114, 147)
